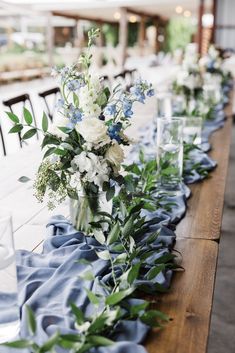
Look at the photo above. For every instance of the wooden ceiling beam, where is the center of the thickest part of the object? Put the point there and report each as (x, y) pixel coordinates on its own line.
(81, 17)
(146, 14)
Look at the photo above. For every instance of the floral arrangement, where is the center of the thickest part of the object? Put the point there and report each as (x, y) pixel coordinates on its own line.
(84, 145)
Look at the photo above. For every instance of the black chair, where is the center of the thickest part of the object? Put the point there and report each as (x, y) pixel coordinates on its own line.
(3, 143)
(105, 80)
(130, 76)
(22, 99)
(120, 79)
(44, 95)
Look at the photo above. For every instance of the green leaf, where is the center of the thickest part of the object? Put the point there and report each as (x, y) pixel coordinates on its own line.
(27, 116)
(19, 344)
(133, 273)
(44, 122)
(24, 179)
(128, 227)
(102, 99)
(99, 236)
(31, 320)
(165, 258)
(114, 234)
(104, 255)
(50, 140)
(115, 298)
(110, 193)
(13, 117)
(78, 314)
(49, 152)
(60, 152)
(30, 133)
(92, 297)
(99, 341)
(150, 318)
(141, 156)
(16, 128)
(155, 271)
(121, 259)
(136, 309)
(87, 276)
(75, 100)
(53, 340)
(64, 129)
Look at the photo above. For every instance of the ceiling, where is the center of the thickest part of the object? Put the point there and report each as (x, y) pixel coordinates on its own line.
(106, 9)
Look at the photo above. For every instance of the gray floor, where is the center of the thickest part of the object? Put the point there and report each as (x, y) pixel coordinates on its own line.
(222, 334)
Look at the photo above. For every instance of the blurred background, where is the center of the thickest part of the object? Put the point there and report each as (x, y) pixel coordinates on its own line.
(35, 35)
(144, 36)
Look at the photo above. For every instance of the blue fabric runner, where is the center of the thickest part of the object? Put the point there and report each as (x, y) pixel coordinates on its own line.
(48, 282)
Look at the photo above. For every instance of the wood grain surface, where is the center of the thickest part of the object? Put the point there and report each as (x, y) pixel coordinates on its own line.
(189, 301)
(205, 207)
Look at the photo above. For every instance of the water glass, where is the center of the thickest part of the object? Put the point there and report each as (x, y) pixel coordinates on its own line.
(178, 104)
(170, 152)
(212, 93)
(164, 108)
(9, 310)
(193, 130)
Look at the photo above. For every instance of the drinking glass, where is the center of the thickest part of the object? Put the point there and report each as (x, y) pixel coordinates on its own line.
(212, 93)
(193, 130)
(170, 152)
(9, 310)
(178, 104)
(164, 108)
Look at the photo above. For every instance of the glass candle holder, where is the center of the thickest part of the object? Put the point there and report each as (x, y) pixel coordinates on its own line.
(164, 105)
(192, 132)
(170, 152)
(212, 93)
(9, 310)
(178, 104)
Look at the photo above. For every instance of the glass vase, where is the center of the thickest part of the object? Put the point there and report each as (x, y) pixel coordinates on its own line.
(170, 152)
(86, 209)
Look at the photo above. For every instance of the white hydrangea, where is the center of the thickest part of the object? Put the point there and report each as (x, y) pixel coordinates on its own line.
(95, 167)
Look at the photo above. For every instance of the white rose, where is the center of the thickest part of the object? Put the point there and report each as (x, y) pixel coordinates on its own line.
(59, 121)
(115, 156)
(93, 130)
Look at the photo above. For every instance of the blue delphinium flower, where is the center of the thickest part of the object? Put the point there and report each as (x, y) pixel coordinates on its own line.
(114, 130)
(110, 109)
(60, 103)
(138, 93)
(150, 92)
(74, 85)
(74, 114)
(127, 107)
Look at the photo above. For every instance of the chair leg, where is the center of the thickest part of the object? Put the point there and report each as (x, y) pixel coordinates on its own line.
(3, 143)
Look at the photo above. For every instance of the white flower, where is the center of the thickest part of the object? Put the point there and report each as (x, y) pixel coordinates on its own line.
(115, 156)
(59, 121)
(95, 167)
(91, 110)
(93, 130)
(95, 82)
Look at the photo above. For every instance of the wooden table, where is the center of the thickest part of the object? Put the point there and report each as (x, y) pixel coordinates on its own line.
(189, 301)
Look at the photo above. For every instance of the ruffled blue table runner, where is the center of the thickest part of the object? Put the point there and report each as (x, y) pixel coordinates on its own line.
(50, 281)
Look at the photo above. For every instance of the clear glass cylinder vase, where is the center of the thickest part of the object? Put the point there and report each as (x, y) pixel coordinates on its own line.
(86, 209)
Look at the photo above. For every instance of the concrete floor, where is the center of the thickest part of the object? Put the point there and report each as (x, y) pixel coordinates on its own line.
(222, 333)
